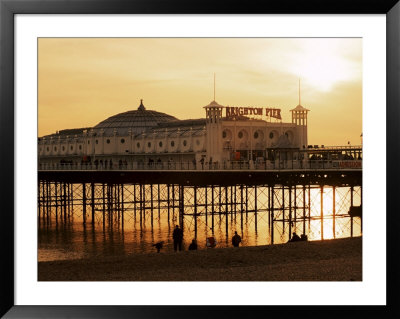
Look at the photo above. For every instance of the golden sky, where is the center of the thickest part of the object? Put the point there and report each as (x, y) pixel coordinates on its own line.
(82, 81)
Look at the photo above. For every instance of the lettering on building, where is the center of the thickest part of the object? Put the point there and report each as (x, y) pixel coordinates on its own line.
(232, 111)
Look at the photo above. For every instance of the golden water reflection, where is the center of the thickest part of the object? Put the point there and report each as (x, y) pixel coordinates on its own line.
(71, 239)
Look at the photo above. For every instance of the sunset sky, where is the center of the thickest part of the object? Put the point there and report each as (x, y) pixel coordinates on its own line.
(84, 81)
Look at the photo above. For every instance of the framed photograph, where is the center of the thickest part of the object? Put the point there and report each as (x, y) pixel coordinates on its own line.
(196, 160)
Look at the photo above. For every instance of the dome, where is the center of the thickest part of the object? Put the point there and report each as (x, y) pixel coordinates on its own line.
(214, 104)
(137, 121)
(299, 108)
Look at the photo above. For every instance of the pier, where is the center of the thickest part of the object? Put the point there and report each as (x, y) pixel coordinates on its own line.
(287, 196)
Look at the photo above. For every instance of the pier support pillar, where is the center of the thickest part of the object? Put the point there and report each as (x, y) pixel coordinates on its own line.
(93, 203)
(84, 202)
(322, 212)
(351, 205)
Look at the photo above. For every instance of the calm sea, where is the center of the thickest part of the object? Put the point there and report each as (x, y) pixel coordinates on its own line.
(70, 238)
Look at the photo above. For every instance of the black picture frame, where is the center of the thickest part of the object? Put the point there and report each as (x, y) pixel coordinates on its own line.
(8, 10)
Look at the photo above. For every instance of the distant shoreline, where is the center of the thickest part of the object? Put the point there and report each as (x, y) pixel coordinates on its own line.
(328, 260)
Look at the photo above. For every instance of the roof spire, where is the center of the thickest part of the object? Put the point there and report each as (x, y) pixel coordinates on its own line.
(141, 106)
(214, 86)
(299, 93)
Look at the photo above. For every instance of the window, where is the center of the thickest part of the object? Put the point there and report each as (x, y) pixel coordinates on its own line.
(148, 144)
(97, 141)
(271, 135)
(287, 135)
(80, 147)
(224, 134)
(197, 142)
(240, 135)
(122, 141)
(160, 144)
(88, 142)
(55, 148)
(138, 145)
(256, 135)
(72, 148)
(184, 143)
(48, 149)
(108, 141)
(172, 143)
(63, 148)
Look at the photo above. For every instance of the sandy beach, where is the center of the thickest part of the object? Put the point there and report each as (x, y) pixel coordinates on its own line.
(328, 260)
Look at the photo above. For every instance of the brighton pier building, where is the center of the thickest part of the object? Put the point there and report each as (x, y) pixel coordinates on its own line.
(142, 138)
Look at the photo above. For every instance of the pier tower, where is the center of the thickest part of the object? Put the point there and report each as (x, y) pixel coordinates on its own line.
(299, 117)
(214, 131)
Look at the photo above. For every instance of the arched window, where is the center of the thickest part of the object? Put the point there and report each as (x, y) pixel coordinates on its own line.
(255, 135)
(172, 143)
(160, 144)
(184, 143)
(240, 135)
(122, 141)
(108, 141)
(271, 135)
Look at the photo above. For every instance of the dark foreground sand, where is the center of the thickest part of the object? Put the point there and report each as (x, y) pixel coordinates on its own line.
(329, 260)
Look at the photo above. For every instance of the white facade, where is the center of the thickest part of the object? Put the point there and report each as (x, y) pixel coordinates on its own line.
(150, 136)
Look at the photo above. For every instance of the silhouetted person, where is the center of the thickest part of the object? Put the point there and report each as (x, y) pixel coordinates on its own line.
(177, 235)
(193, 245)
(202, 163)
(211, 242)
(236, 239)
(303, 237)
(159, 245)
(295, 237)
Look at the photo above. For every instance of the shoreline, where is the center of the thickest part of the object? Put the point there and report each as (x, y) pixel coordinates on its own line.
(327, 260)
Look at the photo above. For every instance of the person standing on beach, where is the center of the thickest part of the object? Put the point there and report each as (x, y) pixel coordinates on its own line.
(193, 245)
(177, 235)
(236, 239)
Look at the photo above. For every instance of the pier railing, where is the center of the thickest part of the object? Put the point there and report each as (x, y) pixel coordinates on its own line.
(208, 166)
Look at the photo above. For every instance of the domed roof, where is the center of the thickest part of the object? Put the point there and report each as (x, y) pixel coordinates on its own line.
(300, 108)
(137, 121)
(214, 104)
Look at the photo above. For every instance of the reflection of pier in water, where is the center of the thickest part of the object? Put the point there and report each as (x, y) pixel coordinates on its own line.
(309, 202)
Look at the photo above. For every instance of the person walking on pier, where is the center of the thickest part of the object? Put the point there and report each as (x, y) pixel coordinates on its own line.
(177, 235)
(236, 239)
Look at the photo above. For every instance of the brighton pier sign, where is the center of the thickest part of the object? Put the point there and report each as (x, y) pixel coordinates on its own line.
(232, 111)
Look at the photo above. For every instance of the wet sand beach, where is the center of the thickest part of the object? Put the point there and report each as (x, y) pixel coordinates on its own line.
(328, 260)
